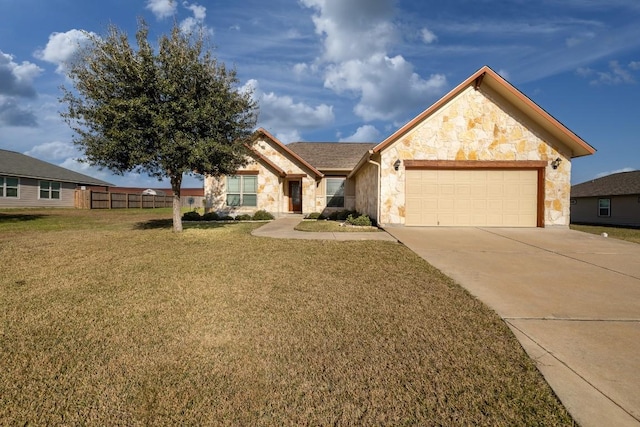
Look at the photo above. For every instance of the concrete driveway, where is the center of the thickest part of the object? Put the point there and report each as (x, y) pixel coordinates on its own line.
(572, 299)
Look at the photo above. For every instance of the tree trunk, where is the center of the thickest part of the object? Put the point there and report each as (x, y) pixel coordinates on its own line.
(176, 183)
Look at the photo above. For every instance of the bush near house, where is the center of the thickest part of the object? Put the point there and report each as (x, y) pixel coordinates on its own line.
(262, 215)
(360, 221)
(191, 216)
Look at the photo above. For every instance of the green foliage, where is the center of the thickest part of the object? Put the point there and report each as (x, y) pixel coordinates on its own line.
(314, 215)
(243, 217)
(226, 218)
(191, 216)
(167, 113)
(341, 215)
(262, 215)
(210, 216)
(361, 221)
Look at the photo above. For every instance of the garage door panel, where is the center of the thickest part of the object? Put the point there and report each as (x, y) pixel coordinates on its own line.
(506, 198)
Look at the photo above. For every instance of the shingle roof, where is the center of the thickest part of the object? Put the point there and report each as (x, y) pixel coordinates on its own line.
(331, 155)
(23, 166)
(618, 184)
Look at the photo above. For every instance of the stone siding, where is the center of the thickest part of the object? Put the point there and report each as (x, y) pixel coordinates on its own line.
(475, 125)
(367, 190)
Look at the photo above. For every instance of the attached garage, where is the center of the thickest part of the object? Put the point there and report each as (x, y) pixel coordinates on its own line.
(476, 194)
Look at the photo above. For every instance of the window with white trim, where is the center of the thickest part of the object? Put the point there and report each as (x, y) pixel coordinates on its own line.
(9, 186)
(604, 207)
(242, 190)
(49, 190)
(335, 192)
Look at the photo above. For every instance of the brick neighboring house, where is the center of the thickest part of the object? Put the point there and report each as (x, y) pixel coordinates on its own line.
(610, 200)
(483, 155)
(27, 182)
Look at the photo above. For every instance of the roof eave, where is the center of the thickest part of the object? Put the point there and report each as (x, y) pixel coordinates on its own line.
(275, 140)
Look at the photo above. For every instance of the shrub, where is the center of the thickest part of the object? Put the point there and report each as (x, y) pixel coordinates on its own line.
(341, 215)
(314, 215)
(226, 218)
(191, 216)
(262, 215)
(360, 221)
(243, 217)
(210, 216)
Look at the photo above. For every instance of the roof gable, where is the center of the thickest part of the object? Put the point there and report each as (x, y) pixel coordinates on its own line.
(282, 147)
(486, 76)
(23, 166)
(618, 184)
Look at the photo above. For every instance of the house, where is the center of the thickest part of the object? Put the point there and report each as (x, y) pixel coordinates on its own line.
(483, 155)
(29, 182)
(610, 200)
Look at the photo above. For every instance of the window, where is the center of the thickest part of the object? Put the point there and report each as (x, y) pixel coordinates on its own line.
(49, 190)
(604, 207)
(335, 192)
(241, 190)
(8, 186)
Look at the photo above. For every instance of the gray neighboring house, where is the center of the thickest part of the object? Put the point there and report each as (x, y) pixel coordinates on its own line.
(610, 200)
(29, 182)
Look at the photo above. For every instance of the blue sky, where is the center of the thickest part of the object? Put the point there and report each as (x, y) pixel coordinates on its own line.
(348, 70)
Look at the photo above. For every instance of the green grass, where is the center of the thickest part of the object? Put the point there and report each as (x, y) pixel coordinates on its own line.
(109, 318)
(629, 234)
(331, 226)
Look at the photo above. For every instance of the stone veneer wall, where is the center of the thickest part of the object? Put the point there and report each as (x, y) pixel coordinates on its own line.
(367, 190)
(272, 189)
(476, 125)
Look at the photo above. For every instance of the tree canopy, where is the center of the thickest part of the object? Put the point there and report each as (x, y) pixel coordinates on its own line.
(168, 113)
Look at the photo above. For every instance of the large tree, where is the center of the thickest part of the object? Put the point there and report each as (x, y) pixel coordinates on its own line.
(168, 113)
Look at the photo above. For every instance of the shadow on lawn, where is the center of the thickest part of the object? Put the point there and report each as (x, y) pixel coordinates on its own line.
(8, 217)
(167, 224)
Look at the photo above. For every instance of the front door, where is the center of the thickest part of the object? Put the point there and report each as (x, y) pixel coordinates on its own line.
(295, 196)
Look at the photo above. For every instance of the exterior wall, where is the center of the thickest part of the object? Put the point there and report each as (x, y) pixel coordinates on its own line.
(272, 192)
(367, 191)
(625, 210)
(476, 125)
(29, 192)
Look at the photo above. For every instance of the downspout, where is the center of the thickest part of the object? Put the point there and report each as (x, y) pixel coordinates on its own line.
(378, 201)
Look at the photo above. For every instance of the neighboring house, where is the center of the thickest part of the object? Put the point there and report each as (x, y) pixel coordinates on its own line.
(483, 155)
(611, 200)
(29, 182)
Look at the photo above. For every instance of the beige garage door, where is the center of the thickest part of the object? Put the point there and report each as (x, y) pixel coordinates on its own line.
(489, 198)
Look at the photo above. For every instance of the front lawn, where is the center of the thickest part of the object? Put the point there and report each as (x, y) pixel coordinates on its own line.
(629, 234)
(119, 321)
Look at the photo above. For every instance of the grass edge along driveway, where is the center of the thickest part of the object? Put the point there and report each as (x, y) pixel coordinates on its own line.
(125, 323)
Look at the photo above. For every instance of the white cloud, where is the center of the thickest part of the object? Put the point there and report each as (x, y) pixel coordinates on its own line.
(574, 41)
(616, 75)
(62, 48)
(366, 133)
(53, 150)
(387, 87)
(634, 65)
(357, 36)
(162, 8)
(428, 36)
(192, 23)
(286, 115)
(12, 114)
(504, 74)
(17, 79)
(627, 169)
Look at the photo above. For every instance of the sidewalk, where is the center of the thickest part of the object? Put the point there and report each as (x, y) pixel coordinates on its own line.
(282, 228)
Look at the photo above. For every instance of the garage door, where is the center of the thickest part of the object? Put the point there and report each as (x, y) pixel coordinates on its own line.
(489, 198)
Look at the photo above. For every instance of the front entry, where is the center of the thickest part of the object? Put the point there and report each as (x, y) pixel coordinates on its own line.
(295, 196)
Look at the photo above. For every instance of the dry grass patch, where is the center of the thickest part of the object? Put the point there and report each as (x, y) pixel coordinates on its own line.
(134, 325)
(331, 226)
(628, 234)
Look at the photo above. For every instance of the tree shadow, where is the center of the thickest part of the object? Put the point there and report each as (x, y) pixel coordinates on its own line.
(167, 224)
(10, 217)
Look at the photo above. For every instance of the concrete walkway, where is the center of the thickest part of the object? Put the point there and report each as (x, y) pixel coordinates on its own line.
(572, 300)
(283, 228)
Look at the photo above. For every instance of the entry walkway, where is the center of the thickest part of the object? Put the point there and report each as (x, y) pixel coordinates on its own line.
(283, 228)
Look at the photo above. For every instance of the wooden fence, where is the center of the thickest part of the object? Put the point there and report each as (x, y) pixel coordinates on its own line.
(89, 199)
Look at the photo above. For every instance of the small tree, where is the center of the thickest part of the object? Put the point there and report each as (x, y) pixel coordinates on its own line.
(167, 114)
